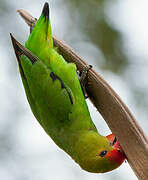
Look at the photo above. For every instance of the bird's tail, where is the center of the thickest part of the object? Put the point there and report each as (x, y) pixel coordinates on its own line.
(41, 36)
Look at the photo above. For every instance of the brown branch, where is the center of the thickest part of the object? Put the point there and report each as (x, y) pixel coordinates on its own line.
(114, 111)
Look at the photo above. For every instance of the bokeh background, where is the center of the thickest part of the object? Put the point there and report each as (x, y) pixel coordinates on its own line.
(109, 34)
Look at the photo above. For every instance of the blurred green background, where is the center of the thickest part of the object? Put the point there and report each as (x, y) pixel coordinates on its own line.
(109, 34)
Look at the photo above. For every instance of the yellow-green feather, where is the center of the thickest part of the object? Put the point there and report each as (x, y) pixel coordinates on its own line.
(61, 111)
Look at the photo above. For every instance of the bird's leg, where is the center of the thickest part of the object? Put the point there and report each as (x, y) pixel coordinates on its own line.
(82, 78)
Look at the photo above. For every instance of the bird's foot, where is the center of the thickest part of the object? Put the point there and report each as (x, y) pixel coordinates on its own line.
(82, 78)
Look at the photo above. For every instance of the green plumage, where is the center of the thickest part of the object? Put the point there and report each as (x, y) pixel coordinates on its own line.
(56, 99)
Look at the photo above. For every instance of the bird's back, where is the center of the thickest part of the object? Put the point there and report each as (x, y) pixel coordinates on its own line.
(54, 85)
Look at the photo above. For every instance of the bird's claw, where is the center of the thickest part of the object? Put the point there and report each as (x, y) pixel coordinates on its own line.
(82, 78)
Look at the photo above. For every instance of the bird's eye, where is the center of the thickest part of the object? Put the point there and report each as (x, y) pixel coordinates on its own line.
(103, 153)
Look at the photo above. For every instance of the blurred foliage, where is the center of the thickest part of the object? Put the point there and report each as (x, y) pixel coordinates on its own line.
(4, 7)
(96, 26)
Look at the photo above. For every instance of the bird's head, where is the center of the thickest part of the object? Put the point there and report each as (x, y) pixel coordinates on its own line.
(102, 154)
(116, 155)
(112, 157)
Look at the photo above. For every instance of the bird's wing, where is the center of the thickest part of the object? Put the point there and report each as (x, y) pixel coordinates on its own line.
(54, 94)
(53, 101)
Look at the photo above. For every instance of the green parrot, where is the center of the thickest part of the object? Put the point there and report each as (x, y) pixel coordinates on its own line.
(55, 96)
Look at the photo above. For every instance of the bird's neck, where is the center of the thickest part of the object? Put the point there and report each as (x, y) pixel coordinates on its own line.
(85, 145)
